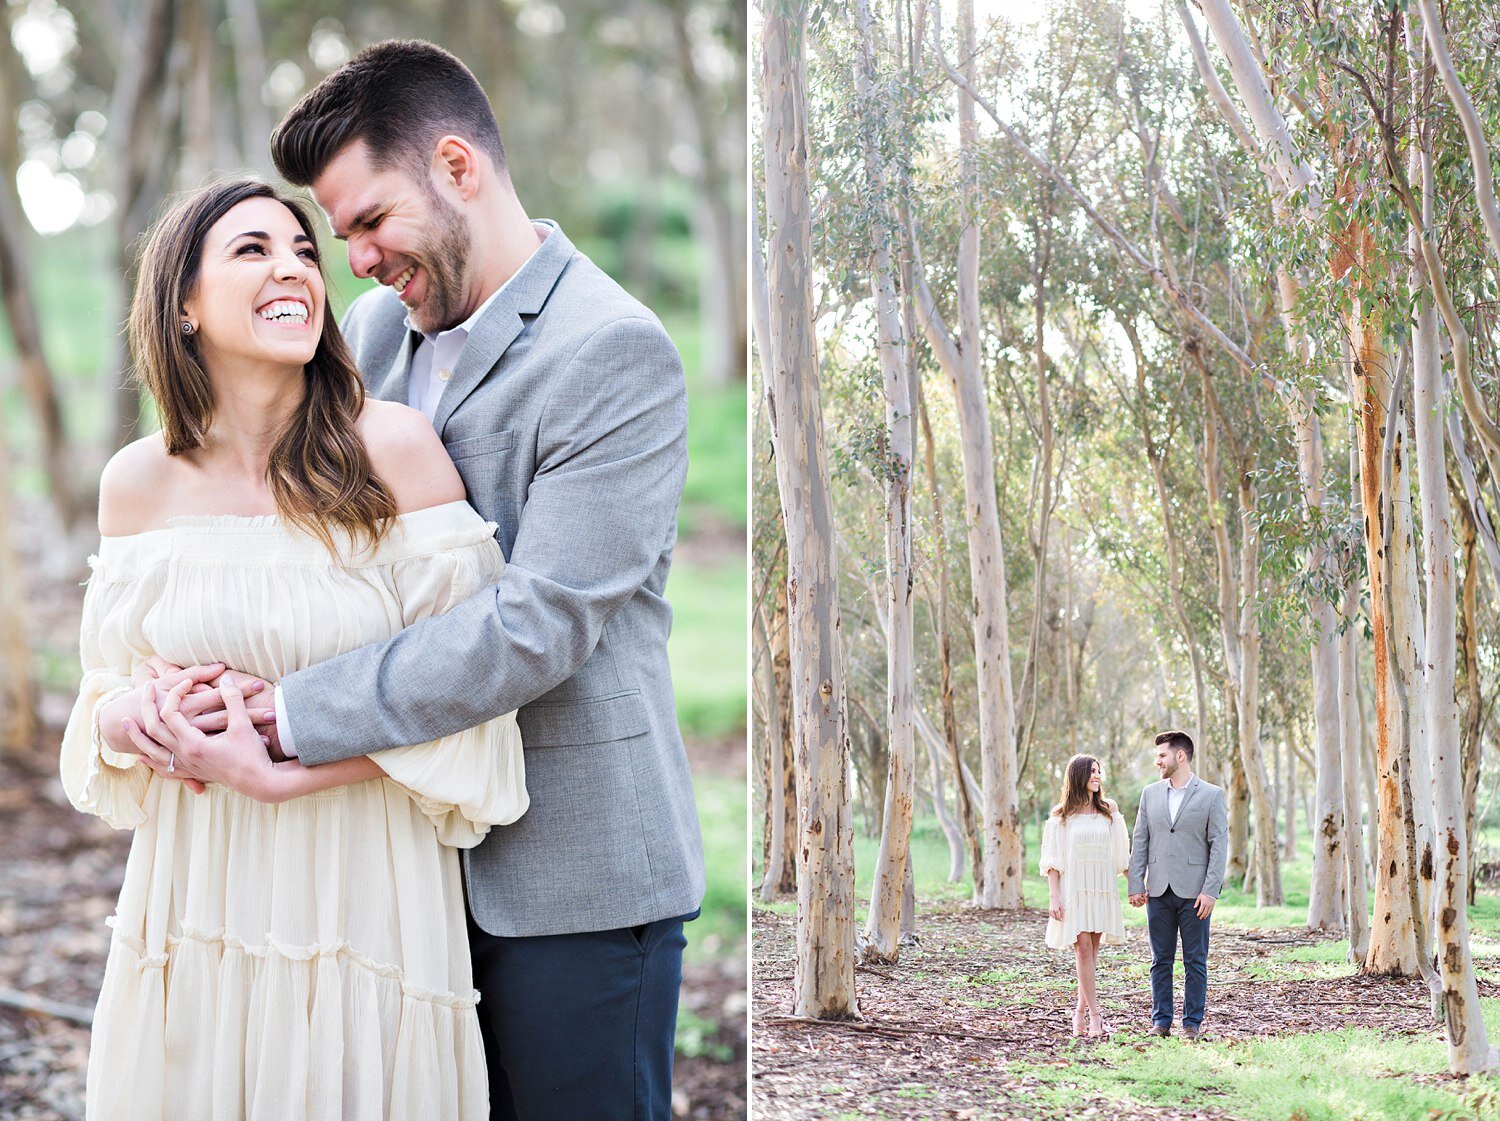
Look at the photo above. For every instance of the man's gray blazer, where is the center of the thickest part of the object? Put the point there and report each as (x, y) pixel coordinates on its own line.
(567, 419)
(1187, 855)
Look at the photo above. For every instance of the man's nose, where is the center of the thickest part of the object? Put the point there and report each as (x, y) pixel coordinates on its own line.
(364, 258)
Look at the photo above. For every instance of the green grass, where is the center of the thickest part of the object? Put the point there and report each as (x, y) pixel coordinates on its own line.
(707, 647)
(1357, 1074)
(719, 932)
(715, 492)
(929, 852)
(721, 810)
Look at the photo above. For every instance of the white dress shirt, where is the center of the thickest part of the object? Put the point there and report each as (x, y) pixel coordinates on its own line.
(1175, 797)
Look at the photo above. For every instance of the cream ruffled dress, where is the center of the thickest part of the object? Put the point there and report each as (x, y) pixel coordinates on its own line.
(1090, 852)
(302, 960)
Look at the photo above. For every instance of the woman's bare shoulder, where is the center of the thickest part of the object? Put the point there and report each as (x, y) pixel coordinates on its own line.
(407, 455)
(135, 488)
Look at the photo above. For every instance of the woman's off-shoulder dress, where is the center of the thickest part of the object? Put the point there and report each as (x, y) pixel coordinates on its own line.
(1090, 852)
(307, 959)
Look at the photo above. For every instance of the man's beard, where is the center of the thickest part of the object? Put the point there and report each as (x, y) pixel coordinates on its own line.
(1168, 770)
(444, 259)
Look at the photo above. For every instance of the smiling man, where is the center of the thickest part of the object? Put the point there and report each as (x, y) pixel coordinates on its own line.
(1177, 860)
(561, 401)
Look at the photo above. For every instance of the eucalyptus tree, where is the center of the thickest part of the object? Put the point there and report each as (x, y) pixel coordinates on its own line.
(823, 984)
(959, 354)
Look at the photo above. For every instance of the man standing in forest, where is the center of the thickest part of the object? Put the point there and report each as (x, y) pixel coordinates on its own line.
(1177, 861)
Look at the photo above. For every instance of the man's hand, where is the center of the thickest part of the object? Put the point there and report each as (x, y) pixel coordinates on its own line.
(236, 757)
(1205, 905)
(205, 710)
(203, 706)
(1139, 899)
(152, 673)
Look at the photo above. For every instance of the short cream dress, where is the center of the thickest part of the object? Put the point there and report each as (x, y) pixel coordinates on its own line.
(302, 960)
(1091, 853)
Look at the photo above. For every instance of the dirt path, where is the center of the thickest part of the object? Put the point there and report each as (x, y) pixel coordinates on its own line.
(981, 992)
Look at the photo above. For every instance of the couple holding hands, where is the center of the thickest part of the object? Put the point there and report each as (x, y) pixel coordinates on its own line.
(1175, 864)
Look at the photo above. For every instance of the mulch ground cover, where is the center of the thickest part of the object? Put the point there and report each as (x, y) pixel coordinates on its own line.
(958, 1026)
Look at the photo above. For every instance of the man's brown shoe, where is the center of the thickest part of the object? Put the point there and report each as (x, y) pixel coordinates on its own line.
(1192, 1035)
(1161, 1030)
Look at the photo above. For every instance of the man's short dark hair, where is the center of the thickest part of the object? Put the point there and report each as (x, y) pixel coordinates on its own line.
(1177, 741)
(399, 97)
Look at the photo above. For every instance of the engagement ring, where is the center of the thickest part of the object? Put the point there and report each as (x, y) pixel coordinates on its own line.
(172, 762)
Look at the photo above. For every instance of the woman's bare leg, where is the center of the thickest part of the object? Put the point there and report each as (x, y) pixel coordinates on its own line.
(1096, 1024)
(1083, 949)
(1080, 1013)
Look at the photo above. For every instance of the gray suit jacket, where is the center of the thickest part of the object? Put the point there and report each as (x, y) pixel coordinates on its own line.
(1187, 855)
(567, 419)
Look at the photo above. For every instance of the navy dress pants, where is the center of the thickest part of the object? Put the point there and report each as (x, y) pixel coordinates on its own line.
(580, 1026)
(1169, 918)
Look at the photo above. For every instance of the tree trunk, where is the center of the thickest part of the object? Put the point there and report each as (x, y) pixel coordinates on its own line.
(957, 853)
(1468, 1047)
(1392, 939)
(960, 360)
(1237, 793)
(1240, 629)
(141, 134)
(249, 82)
(823, 981)
(1291, 183)
(1351, 736)
(722, 262)
(779, 872)
(35, 374)
(1471, 728)
(1156, 456)
(18, 725)
(1289, 802)
(945, 660)
(883, 931)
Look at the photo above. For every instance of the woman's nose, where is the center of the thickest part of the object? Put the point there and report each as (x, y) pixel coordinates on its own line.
(290, 267)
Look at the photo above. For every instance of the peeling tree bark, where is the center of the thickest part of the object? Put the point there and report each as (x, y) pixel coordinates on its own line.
(883, 930)
(823, 982)
(960, 360)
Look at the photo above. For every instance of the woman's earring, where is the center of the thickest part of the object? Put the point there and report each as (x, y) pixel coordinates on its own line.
(187, 327)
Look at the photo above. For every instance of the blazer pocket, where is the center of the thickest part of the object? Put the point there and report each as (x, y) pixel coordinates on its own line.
(1197, 860)
(487, 444)
(617, 716)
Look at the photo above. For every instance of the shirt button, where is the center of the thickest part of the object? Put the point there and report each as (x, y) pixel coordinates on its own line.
(444, 374)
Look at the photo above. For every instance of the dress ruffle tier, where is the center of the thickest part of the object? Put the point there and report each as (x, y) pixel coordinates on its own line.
(307, 959)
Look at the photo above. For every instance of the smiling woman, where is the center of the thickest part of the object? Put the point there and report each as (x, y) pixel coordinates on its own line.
(212, 267)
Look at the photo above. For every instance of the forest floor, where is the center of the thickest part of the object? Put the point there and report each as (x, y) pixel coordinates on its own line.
(974, 1022)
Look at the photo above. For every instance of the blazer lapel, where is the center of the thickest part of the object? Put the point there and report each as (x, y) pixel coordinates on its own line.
(1192, 788)
(522, 298)
(393, 387)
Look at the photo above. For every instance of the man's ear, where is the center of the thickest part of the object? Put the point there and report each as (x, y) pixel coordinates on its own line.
(457, 166)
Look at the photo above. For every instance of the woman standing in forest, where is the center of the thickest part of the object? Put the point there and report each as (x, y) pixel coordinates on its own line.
(290, 943)
(1085, 850)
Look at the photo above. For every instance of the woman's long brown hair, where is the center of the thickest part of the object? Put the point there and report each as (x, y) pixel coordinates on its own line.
(319, 471)
(1076, 795)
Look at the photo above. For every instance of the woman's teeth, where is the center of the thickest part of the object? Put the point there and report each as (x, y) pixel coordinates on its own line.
(285, 310)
